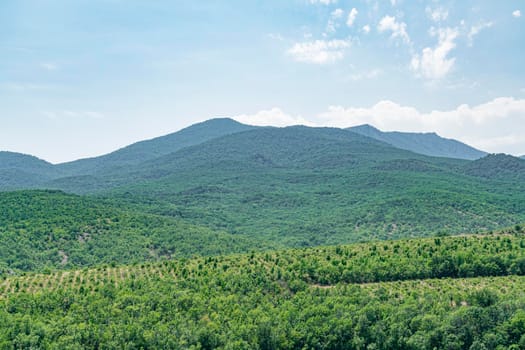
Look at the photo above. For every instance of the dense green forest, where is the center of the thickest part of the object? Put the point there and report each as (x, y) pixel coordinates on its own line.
(198, 240)
(407, 294)
(294, 187)
(46, 230)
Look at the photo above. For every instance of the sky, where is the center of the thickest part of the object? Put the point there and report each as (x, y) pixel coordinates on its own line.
(83, 78)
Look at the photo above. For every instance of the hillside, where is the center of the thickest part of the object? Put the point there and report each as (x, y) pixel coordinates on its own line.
(52, 230)
(310, 186)
(497, 166)
(21, 171)
(448, 292)
(145, 150)
(429, 144)
(301, 186)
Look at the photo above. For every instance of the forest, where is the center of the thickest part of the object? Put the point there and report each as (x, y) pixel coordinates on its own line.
(225, 236)
(465, 292)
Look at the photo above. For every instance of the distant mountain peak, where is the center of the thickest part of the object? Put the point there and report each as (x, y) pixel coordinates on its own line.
(13, 160)
(429, 143)
(365, 126)
(218, 120)
(149, 149)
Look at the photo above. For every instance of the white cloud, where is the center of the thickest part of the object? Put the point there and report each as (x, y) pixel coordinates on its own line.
(495, 126)
(516, 14)
(434, 63)
(324, 2)
(398, 29)
(393, 2)
(319, 51)
(272, 117)
(335, 16)
(366, 29)
(437, 15)
(474, 30)
(337, 13)
(351, 17)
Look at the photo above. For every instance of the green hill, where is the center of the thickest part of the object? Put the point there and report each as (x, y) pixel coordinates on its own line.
(53, 230)
(440, 293)
(309, 186)
(22, 171)
(497, 166)
(301, 186)
(429, 144)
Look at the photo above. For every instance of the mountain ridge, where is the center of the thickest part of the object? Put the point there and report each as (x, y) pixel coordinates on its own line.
(430, 144)
(148, 149)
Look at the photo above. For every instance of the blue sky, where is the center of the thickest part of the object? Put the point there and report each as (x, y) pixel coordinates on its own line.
(82, 78)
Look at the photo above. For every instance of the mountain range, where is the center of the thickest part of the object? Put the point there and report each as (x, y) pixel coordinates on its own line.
(284, 187)
(25, 171)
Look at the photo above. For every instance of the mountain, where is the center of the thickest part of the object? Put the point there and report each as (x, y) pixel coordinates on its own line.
(21, 170)
(429, 144)
(301, 186)
(12, 160)
(259, 149)
(149, 149)
(497, 166)
(53, 230)
(295, 147)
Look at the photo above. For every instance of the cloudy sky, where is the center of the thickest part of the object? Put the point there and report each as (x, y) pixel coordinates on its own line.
(82, 78)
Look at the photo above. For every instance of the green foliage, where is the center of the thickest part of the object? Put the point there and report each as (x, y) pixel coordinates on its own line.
(205, 192)
(51, 229)
(294, 299)
(497, 166)
(301, 186)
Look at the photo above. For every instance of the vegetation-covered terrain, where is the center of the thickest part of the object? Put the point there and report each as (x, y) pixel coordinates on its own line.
(429, 144)
(222, 187)
(296, 186)
(179, 242)
(46, 230)
(408, 294)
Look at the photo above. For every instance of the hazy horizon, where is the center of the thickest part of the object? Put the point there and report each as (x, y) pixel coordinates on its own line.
(82, 79)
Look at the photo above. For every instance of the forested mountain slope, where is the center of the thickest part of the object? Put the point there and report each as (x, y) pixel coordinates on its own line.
(21, 171)
(310, 186)
(301, 186)
(497, 166)
(429, 144)
(49, 230)
(159, 146)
